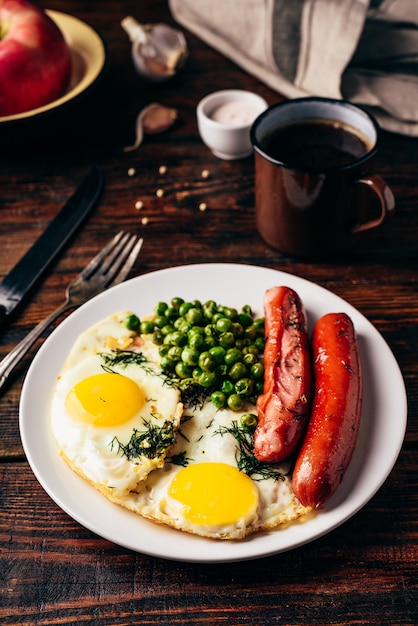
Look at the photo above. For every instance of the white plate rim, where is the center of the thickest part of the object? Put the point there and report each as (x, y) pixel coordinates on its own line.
(379, 443)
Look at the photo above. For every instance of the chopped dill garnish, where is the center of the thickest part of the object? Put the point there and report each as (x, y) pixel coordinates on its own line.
(192, 394)
(179, 459)
(246, 461)
(150, 442)
(123, 358)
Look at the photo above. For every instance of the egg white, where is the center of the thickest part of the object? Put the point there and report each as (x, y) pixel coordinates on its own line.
(92, 451)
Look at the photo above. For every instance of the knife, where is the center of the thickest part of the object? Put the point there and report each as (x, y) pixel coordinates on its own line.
(19, 281)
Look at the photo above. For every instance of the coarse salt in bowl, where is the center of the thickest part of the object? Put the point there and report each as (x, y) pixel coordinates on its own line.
(224, 120)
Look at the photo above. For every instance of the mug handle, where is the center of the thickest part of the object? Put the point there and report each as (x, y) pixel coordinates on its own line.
(386, 198)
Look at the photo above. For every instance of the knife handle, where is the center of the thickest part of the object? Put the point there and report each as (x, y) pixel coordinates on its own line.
(3, 315)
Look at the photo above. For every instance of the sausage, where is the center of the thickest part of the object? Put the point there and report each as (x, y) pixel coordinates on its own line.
(331, 434)
(283, 407)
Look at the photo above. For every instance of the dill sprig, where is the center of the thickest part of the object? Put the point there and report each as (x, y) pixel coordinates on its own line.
(151, 442)
(246, 461)
(123, 358)
(193, 395)
(179, 459)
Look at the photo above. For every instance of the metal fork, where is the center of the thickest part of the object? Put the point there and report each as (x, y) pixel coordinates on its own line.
(109, 267)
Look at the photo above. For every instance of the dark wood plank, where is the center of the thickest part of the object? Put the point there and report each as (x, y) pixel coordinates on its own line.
(54, 571)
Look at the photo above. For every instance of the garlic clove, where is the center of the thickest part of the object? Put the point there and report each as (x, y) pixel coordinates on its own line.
(153, 119)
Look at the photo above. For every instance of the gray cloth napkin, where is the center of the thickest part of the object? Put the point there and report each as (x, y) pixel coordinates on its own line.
(365, 51)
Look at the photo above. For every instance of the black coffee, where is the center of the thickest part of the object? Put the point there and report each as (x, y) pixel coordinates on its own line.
(315, 145)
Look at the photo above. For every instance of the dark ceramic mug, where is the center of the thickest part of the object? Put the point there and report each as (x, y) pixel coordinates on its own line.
(313, 176)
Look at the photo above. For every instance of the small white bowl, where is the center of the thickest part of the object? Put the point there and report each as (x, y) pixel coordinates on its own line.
(224, 120)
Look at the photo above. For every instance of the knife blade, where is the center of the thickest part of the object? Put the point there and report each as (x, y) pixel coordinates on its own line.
(20, 280)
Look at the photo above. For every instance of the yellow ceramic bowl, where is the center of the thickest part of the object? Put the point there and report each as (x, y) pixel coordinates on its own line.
(88, 53)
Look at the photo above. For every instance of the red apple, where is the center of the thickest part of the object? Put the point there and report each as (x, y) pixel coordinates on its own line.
(35, 61)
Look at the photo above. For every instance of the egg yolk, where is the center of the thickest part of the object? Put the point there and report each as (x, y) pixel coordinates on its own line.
(104, 399)
(214, 494)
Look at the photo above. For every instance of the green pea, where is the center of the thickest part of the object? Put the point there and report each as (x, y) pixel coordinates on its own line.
(227, 340)
(186, 383)
(251, 349)
(167, 364)
(196, 341)
(174, 353)
(157, 337)
(249, 359)
(216, 316)
(249, 421)
(207, 379)
(218, 399)
(230, 313)
(197, 373)
(183, 371)
(209, 309)
(233, 355)
(235, 402)
(168, 338)
(257, 371)
(171, 313)
(194, 316)
(259, 343)
(223, 325)
(186, 306)
(209, 343)
(196, 330)
(190, 356)
(207, 362)
(227, 387)
(181, 325)
(246, 309)
(237, 371)
(177, 302)
(237, 329)
(167, 329)
(244, 386)
(132, 322)
(259, 324)
(250, 332)
(178, 338)
(245, 320)
(209, 330)
(160, 308)
(221, 370)
(163, 350)
(146, 327)
(160, 321)
(218, 353)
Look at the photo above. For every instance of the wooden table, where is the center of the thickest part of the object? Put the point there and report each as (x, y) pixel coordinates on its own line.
(53, 570)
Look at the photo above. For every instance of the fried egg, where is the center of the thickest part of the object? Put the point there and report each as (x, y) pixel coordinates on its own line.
(201, 489)
(104, 408)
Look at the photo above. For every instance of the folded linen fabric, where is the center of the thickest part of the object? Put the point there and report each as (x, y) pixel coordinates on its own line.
(365, 51)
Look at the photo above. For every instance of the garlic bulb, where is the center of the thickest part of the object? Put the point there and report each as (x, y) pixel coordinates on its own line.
(158, 50)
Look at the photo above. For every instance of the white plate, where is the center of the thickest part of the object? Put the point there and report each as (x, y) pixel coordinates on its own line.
(88, 55)
(380, 437)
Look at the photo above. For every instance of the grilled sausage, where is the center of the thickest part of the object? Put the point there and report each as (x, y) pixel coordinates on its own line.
(331, 435)
(283, 407)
